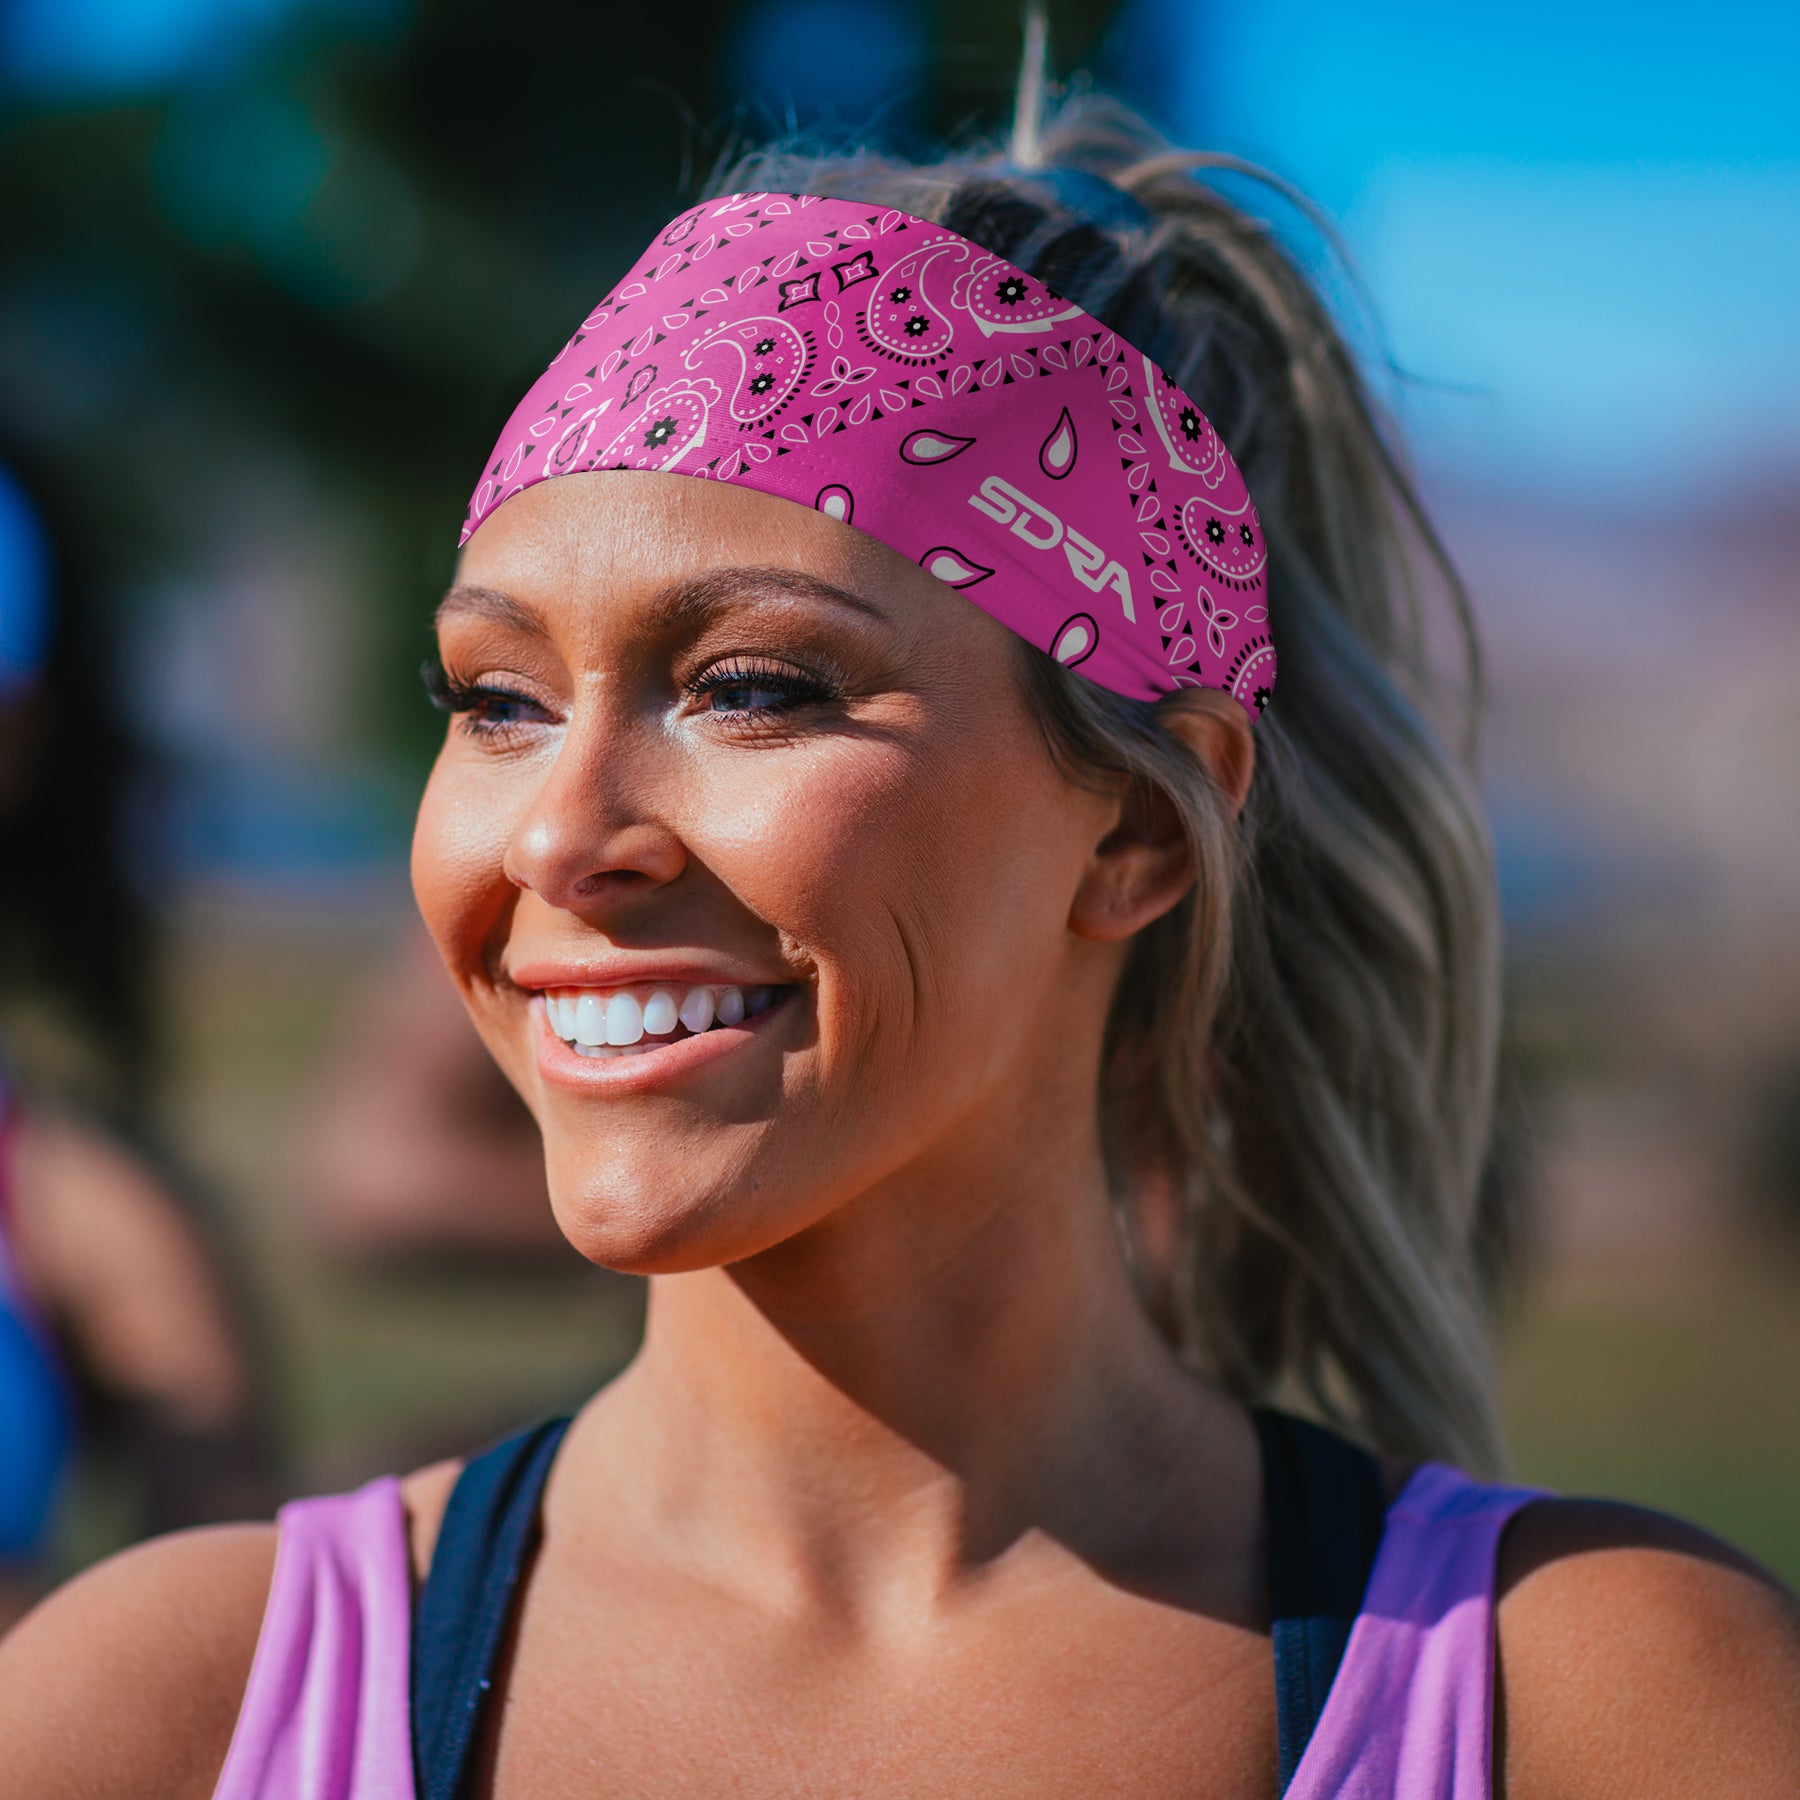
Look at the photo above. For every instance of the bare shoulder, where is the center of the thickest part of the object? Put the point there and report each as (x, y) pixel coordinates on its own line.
(127, 1681)
(1639, 1655)
(424, 1494)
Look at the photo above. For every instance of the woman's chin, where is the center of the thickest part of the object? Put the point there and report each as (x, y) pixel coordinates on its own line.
(666, 1232)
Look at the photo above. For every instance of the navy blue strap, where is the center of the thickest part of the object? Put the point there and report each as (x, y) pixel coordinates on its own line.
(460, 1617)
(1324, 1508)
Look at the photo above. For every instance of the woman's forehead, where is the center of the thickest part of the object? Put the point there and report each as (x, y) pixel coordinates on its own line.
(625, 529)
(631, 551)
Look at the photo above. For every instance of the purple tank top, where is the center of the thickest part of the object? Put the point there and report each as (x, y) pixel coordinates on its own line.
(324, 1716)
(1409, 1717)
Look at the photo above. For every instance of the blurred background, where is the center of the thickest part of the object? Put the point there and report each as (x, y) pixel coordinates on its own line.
(272, 272)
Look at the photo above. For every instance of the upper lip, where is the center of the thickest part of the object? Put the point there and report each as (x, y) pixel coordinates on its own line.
(632, 971)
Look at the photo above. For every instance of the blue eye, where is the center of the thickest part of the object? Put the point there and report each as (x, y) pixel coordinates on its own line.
(494, 706)
(738, 689)
(484, 709)
(750, 696)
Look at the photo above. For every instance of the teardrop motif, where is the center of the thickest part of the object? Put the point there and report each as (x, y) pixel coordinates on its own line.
(836, 501)
(1056, 456)
(1077, 640)
(927, 447)
(953, 568)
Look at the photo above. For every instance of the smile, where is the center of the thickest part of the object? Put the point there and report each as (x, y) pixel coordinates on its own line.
(628, 1021)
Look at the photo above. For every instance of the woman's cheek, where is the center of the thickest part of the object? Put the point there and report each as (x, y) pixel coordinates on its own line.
(458, 863)
(822, 840)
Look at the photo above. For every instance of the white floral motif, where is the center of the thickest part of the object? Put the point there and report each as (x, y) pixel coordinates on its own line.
(1218, 621)
(842, 376)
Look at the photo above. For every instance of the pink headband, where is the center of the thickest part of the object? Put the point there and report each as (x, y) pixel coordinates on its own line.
(902, 379)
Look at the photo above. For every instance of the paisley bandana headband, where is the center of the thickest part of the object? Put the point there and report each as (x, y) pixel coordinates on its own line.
(903, 380)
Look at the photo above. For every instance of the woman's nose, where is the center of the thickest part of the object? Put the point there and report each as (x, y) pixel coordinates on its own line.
(590, 835)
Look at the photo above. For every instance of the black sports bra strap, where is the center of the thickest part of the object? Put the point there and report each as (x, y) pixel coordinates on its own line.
(459, 1618)
(1324, 1509)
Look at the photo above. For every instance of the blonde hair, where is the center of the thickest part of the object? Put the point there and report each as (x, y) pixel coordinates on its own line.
(1301, 1055)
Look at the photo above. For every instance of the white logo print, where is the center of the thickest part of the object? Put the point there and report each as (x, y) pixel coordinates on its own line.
(1033, 521)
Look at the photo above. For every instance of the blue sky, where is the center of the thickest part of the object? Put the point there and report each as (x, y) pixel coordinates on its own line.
(100, 49)
(1590, 214)
(1584, 218)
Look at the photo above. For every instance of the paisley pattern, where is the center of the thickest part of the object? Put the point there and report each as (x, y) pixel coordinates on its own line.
(1227, 544)
(900, 320)
(670, 424)
(1250, 678)
(1186, 432)
(769, 360)
(898, 378)
(1000, 298)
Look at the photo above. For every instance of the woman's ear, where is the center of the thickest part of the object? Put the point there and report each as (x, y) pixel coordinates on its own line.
(1143, 865)
(1217, 729)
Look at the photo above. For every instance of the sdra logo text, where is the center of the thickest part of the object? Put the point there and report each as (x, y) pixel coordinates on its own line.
(1033, 521)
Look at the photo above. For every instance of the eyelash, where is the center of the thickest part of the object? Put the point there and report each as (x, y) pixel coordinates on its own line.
(793, 687)
(465, 699)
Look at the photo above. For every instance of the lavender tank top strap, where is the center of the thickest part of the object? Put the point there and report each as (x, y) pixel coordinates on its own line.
(1410, 1715)
(324, 1716)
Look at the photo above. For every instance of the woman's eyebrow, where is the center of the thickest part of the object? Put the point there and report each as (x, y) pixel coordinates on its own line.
(698, 599)
(492, 605)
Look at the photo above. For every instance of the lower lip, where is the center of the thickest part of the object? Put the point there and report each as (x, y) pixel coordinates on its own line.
(562, 1065)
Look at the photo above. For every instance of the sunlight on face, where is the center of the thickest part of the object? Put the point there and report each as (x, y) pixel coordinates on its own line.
(706, 741)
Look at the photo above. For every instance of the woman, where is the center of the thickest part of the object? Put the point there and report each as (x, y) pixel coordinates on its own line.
(1006, 1060)
(118, 1323)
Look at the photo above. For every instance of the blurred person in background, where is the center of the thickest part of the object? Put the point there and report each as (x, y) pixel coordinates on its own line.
(119, 1326)
(415, 1144)
(857, 958)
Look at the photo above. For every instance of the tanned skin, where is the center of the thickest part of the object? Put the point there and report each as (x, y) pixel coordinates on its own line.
(902, 1496)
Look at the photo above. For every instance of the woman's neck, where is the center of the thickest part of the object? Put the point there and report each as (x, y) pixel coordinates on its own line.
(937, 1378)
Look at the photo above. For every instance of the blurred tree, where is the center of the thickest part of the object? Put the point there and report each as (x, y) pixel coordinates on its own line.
(1774, 1143)
(350, 231)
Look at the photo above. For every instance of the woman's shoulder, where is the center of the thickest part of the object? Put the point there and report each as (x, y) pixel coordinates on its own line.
(1639, 1654)
(424, 1494)
(128, 1679)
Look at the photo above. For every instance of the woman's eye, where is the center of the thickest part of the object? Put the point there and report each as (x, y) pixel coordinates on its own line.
(749, 696)
(484, 709)
(494, 707)
(738, 690)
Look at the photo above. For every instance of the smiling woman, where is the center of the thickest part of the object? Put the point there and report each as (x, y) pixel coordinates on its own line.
(728, 728)
(1018, 1045)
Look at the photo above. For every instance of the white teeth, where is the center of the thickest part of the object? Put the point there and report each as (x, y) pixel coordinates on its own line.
(590, 1020)
(614, 1023)
(624, 1020)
